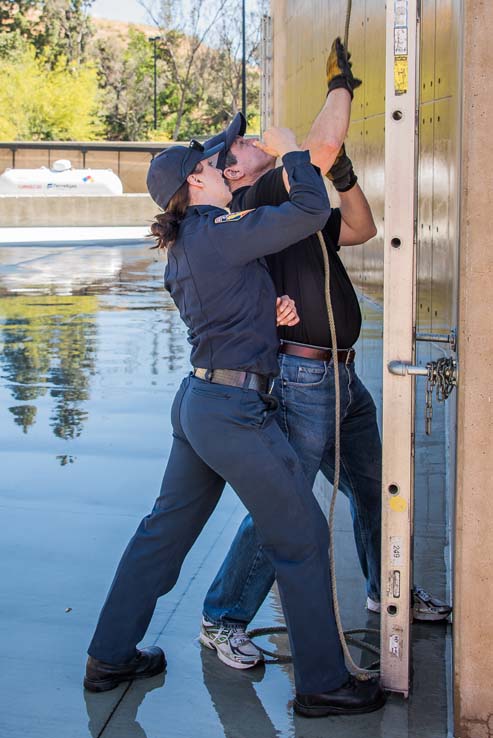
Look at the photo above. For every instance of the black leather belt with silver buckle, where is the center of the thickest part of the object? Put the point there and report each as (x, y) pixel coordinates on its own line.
(233, 378)
(346, 356)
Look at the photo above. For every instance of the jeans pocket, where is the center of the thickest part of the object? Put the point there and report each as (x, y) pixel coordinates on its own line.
(304, 375)
(208, 389)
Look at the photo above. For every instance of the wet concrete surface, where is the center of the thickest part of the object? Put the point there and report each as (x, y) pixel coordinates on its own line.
(92, 352)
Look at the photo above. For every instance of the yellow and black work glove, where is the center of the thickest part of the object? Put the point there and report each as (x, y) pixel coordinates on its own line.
(341, 173)
(339, 73)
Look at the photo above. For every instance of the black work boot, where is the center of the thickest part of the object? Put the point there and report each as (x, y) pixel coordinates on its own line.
(101, 677)
(352, 698)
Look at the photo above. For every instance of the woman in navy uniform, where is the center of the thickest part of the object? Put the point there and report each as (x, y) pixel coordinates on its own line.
(224, 428)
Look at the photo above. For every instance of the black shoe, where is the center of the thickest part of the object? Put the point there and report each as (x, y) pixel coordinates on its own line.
(101, 677)
(353, 697)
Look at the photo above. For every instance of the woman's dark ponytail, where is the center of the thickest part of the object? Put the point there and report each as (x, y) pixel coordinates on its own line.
(165, 229)
(166, 226)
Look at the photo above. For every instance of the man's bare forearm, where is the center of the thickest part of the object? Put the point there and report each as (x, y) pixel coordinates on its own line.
(329, 130)
(357, 224)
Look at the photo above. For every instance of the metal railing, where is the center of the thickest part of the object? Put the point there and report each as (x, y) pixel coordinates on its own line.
(84, 147)
(129, 160)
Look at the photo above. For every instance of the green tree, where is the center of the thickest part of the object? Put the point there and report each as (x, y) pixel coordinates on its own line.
(18, 16)
(39, 102)
(56, 28)
(126, 79)
(64, 30)
(184, 32)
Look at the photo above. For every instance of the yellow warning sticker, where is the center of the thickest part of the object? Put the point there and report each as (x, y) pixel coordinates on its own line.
(401, 74)
(398, 504)
(233, 217)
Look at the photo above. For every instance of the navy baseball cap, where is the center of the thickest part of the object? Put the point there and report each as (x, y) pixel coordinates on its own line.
(170, 169)
(237, 127)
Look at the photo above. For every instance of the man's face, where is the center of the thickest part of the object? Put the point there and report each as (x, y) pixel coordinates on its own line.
(251, 161)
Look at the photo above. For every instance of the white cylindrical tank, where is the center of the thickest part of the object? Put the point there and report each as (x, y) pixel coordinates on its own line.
(61, 179)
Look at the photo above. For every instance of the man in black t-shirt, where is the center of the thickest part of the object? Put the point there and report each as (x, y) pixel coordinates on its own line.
(305, 386)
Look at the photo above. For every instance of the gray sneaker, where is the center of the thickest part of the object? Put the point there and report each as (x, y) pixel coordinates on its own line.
(425, 606)
(232, 645)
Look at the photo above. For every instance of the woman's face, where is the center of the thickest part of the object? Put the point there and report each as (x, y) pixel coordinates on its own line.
(215, 188)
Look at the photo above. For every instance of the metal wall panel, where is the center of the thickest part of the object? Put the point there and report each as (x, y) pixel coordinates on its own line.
(427, 57)
(443, 275)
(448, 23)
(425, 217)
(374, 67)
(303, 32)
(373, 185)
(356, 150)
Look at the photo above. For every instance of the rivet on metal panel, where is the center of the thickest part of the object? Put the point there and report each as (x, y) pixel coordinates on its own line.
(396, 243)
(392, 609)
(397, 115)
(393, 489)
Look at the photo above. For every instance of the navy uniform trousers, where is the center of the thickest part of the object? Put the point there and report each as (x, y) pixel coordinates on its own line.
(229, 433)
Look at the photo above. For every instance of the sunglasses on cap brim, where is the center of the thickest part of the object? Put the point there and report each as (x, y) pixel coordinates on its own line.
(194, 148)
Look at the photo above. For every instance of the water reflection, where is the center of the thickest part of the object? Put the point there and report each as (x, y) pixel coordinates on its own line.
(49, 348)
(75, 321)
(60, 270)
(96, 704)
(248, 716)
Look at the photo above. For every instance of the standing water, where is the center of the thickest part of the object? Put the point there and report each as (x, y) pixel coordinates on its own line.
(92, 351)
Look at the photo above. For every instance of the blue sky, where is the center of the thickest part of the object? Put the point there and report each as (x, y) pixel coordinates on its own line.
(123, 10)
(131, 10)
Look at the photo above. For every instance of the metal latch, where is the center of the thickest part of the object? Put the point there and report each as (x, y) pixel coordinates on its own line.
(450, 338)
(441, 376)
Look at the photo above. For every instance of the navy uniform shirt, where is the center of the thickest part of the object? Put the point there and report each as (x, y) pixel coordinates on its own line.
(299, 272)
(220, 283)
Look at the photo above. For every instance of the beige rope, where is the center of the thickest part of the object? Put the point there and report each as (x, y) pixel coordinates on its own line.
(357, 670)
(348, 23)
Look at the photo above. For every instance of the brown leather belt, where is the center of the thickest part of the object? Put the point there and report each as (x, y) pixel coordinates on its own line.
(346, 356)
(233, 378)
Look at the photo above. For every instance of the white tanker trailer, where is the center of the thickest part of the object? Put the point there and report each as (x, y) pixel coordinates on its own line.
(61, 179)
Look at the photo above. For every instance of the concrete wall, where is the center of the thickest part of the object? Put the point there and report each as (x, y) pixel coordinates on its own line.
(122, 210)
(473, 638)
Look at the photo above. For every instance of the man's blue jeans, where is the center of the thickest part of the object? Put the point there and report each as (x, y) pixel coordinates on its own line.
(305, 390)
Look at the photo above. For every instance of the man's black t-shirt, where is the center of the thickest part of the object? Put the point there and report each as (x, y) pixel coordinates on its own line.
(298, 271)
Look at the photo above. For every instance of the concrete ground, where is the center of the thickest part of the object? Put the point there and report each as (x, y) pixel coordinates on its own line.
(92, 352)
